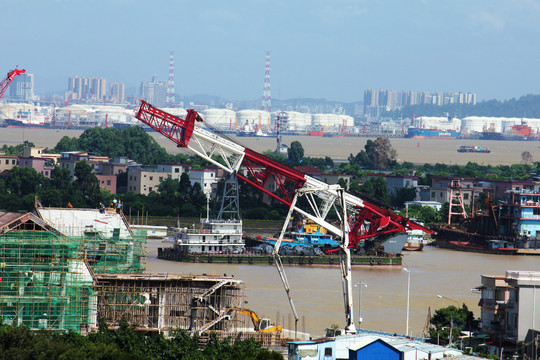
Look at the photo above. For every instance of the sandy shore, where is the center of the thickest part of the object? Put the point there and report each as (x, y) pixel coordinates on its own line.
(417, 151)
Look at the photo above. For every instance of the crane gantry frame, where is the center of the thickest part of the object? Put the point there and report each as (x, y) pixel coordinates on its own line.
(288, 186)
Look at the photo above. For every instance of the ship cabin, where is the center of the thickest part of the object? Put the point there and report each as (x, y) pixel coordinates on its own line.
(520, 216)
(213, 237)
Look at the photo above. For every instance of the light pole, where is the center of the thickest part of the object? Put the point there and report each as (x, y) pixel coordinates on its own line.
(360, 285)
(408, 296)
(451, 319)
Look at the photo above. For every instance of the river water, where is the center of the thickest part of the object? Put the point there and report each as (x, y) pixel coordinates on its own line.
(317, 291)
(413, 150)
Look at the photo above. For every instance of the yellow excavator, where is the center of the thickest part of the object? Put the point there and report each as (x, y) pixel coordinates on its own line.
(260, 324)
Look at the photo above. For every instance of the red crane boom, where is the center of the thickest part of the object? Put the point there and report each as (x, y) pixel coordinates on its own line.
(8, 80)
(285, 185)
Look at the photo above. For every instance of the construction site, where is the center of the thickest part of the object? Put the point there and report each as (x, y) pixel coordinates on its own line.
(65, 269)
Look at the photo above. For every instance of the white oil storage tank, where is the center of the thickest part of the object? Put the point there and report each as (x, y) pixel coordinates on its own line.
(221, 119)
(296, 121)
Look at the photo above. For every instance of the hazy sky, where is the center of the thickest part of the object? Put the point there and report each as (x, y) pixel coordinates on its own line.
(333, 49)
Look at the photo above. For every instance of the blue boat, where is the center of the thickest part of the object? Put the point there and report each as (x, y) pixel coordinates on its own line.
(421, 133)
(310, 235)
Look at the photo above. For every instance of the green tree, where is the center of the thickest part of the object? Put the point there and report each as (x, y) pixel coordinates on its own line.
(86, 186)
(295, 152)
(67, 144)
(376, 188)
(459, 319)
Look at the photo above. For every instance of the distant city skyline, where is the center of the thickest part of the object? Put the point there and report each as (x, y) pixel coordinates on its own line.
(332, 50)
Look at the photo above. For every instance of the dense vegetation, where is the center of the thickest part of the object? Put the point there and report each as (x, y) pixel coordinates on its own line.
(18, 342)
(449, 323)
(133, 143)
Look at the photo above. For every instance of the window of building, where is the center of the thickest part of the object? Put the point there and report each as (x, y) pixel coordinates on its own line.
(7, 162)
(536, 211)
(177, 170)
(149, 189)
(466, 196)
(151, 178)
(47, 173)
(441, 194)
(161, 178)
(108, 182)
(13, 162)
(433, 194)
(327, 351)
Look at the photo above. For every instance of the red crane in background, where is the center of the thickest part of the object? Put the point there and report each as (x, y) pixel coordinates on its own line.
(358, 219)
(10, 76)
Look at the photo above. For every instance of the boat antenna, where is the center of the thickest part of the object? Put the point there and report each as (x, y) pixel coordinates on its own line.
(207, 208)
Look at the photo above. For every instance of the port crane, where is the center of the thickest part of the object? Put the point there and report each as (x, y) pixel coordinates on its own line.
(287, 186)
(9, 79)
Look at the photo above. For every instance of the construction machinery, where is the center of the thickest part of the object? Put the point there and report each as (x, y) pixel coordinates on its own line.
(286, 185)
(259, 324)
(9, 79)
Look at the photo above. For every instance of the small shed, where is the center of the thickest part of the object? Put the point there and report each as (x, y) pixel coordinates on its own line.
(375, 349)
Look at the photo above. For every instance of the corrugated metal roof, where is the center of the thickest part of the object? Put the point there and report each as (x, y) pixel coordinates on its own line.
(8, 217)
(75, 222)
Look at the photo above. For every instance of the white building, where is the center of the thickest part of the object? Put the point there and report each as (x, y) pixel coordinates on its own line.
(207, 178)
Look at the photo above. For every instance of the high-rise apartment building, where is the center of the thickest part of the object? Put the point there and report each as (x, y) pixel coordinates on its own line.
(87, 89)
(117, 93)
(154, 92)
(377, 102)
(22, 87)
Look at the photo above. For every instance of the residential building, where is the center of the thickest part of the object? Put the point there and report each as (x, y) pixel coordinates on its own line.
(68, 160)
(332, 179)
(117, 93)
(7, 162)
(22, 87)
(175, 171)
(207, 178)
(501, 187)
(441, 190)
(112, 168)
(41, 165)
(39, 152)
(86, 89)
(142, 181)
(508, 308)
(107, 182)
(394, 183)
(154, 92)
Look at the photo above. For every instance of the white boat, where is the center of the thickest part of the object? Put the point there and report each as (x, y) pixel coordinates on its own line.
(415, 240)
(213, 237)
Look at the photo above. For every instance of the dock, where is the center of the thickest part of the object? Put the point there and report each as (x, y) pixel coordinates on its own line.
(289, 260)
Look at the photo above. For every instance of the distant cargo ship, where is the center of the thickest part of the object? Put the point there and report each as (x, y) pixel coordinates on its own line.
(473, 149)
(15, 123)
(27, 118)
(420, 133)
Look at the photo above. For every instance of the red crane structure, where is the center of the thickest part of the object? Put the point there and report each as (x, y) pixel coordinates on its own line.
(8, 80)
(357, 219)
